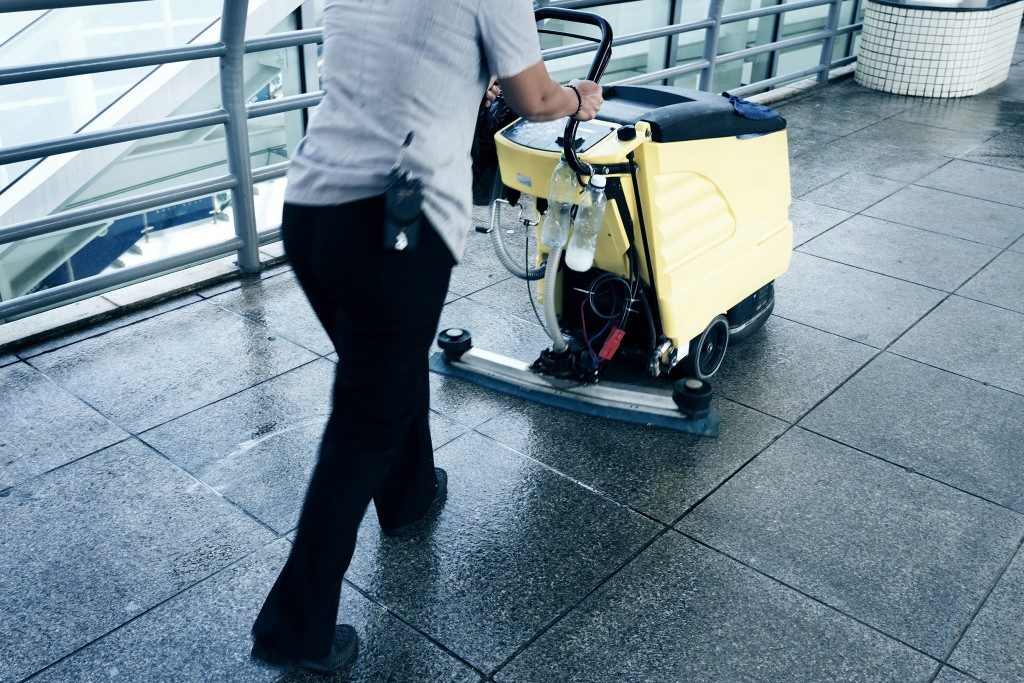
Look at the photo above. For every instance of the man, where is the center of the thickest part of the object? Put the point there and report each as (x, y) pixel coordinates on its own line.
(391, 68)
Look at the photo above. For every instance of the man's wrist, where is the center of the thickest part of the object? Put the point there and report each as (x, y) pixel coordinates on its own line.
(577, 100)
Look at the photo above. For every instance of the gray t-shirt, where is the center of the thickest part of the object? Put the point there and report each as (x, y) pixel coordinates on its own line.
(392, 67)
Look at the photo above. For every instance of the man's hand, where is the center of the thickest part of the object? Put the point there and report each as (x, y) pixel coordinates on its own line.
(592, 96)
(493, 92)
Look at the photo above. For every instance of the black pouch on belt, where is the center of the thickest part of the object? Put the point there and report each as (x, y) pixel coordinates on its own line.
(403, 201)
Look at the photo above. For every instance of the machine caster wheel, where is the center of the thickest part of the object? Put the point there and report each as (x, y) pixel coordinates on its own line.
(693, 397)
(454, 341)
(708, 350)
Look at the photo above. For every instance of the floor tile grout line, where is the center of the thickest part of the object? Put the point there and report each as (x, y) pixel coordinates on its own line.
(797, 590)
(799, 250)
(586, 487)
(917, 183)
(958, 374)
(834, 334)
(977, 610)
(936, 232)
(572, 607)
(914, 471)
(40, 475)
(207, 487)
(242, 558)
(229, 396)
(271, 330)
(133, 436)
(900, 223)
(958, 130)
(367, 595)
(19, 349)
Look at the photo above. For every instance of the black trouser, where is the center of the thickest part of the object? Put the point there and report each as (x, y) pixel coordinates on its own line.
(381, 310)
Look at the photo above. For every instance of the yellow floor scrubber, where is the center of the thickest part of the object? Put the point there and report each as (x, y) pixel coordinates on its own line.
(695, 232)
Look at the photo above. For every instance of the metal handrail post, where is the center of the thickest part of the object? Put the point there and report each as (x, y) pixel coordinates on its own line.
(828, 45)
(232, 93)
(707, 76)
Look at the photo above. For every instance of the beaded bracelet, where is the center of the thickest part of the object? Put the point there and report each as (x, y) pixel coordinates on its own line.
(579, 100)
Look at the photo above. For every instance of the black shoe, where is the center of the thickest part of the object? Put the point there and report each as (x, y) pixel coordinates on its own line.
(440, 495)
(343, 651)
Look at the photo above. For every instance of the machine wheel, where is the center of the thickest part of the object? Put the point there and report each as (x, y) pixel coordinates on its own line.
(454, 341)
(708, 350)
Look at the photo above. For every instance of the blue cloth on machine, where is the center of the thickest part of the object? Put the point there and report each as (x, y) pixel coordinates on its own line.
(750, 110)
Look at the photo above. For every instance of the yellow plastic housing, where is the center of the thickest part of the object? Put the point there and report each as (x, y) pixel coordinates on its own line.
(716, 213)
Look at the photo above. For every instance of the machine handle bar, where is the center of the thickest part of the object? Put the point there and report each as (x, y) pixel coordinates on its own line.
(600, 63)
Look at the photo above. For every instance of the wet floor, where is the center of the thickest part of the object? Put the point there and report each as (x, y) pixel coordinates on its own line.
(860, 517)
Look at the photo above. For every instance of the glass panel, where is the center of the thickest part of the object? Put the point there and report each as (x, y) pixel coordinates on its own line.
(801, 22)
(68, 104)
(733, 36)
(627, 60)
(158, 163)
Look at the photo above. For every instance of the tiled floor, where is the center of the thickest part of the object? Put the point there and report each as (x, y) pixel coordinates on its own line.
(860, 517)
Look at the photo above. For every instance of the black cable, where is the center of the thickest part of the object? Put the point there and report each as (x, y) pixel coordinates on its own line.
(529, 288)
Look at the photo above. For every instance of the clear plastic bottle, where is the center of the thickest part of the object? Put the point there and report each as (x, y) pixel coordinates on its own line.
(561, 196)
(589, 217)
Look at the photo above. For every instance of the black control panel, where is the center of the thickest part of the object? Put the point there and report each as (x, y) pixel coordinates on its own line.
(547, 136)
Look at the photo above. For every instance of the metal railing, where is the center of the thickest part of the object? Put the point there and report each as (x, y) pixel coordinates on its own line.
(712, 26)
(234, 113)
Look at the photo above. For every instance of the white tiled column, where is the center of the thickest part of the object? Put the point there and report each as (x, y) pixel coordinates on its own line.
(936, 52)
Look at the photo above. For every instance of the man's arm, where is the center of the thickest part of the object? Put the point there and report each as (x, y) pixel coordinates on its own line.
(538, 97)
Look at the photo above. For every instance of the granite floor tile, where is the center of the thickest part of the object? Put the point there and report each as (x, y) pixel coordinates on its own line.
(465, 403)
(951, 675)
(7, 359)
(44, 426)
(682, 612)
(923, 257)
(978, 180)
(900, 552)
(161, 368)
(993, 647)
(88, 547)
(786, 368)
(494, 330)
(810, 220)
(970, 338)
(947, 427)
(1005, 149)
(209, 624)
(1018, 246)
(820, 114)
(952, 115)
(200, 440)
(921, 138)
(951, 214)
(658, 472)
(815, 168)
(854, 192)
(877, 158)
(511, 296)
(105, 326)
(853, 303)
(280, 304)
(803, 138)
(478, 268)
(1001, 283)
(258, 448)
(500, 561)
